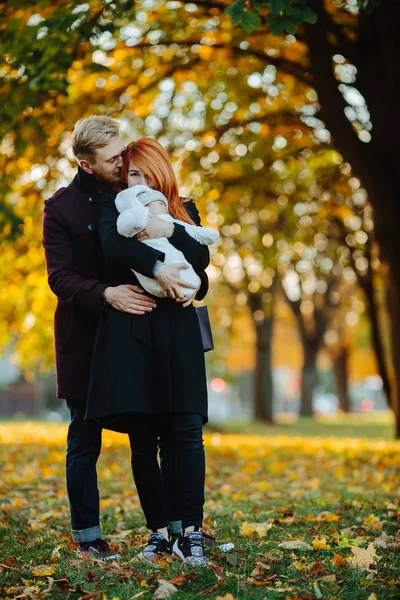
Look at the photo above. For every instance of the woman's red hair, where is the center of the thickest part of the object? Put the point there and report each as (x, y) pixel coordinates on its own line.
(151, 158)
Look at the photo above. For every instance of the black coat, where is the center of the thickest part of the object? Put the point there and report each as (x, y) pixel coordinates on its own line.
(77, 276)
(152, 363)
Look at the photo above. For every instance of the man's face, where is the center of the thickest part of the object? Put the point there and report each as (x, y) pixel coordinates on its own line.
(107, 162)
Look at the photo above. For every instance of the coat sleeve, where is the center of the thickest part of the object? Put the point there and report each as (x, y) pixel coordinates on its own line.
(64, 279)
(128, 252)
(195, 253)
(205, 257)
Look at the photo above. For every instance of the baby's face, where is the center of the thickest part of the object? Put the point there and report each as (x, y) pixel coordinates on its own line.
(157, 208)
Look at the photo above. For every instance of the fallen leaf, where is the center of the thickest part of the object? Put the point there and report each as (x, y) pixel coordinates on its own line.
(329, 578)
(271, 558)
(320, 544)
(372, 596)
(182, 578)
(226, 597)
(317, 591)
(55, 555)
(43, 571)
(50, 583)
(316, 568)
(363, 559)
(295, 545)
(260, 529)
(164, 590)
(338, 560)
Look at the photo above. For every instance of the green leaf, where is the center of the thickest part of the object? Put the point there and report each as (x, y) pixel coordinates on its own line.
(237, 7)
(251, 20)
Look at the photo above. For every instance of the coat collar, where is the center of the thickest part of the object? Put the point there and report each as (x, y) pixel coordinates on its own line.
(86, 183)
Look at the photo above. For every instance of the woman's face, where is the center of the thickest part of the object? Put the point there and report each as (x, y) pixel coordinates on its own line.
(137, 177)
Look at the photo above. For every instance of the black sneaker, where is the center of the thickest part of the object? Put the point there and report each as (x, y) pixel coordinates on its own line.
(97, 550)
(173, 537)
(190, 548)
(156, 544)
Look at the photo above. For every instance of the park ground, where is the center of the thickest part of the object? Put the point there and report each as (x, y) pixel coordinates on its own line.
(313, 509)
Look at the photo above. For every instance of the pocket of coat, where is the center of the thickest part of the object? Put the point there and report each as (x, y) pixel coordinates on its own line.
(140, 328)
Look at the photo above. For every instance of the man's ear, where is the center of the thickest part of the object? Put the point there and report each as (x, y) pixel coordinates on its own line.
(86, 166)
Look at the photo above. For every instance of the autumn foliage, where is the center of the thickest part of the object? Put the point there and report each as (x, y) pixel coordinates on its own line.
(309, 518)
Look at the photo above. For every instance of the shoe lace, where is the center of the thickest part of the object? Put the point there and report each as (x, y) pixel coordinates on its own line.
(194, 538)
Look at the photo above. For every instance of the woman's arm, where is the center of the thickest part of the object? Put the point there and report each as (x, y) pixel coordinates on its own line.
(195, 253)
(128, 252)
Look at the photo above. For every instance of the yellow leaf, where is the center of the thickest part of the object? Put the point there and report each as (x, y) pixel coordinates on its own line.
(259, 528)
(320, 544)
(43, 571)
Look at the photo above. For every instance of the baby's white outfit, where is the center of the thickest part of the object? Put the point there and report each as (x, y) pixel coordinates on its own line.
(134, 215)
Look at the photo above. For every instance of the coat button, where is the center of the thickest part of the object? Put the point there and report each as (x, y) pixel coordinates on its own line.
(91, 227)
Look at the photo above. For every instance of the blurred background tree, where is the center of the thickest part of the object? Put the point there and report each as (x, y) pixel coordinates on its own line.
(238, 109)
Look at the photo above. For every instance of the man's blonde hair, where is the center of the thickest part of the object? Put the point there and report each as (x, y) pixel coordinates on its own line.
(92, 133)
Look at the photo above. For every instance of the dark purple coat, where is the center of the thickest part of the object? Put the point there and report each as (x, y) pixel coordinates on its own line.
(76, 275)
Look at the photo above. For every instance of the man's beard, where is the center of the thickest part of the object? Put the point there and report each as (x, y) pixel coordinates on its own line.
(108, 179)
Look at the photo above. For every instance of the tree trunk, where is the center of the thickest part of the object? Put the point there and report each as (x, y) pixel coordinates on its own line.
(393, 298)
(263, 385)
(377, 343)
(262, 382)
(377, 163)
(308, 377)
(340, 365)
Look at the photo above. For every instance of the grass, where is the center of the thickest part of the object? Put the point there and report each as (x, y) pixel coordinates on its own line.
(270, 485)
(374, 425)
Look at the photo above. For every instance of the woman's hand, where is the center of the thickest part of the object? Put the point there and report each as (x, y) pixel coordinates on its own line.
(169, 278)
(188, 300)
(156, 228)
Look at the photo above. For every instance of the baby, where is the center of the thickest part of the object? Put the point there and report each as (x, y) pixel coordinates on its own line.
(136, 205)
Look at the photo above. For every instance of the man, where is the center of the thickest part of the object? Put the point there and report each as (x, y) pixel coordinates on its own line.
(75, 267)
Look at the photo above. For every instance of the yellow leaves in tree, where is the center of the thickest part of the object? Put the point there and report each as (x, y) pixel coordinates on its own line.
(260, 529)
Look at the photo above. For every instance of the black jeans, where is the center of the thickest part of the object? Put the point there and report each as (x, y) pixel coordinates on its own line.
(83, 450)
(180, 437)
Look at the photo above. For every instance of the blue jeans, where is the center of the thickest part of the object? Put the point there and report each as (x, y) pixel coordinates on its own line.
(83, 450)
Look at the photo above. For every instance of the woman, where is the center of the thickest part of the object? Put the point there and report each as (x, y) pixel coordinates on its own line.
(148, 373)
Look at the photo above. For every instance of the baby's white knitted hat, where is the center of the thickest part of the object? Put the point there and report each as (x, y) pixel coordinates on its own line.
(146, 195)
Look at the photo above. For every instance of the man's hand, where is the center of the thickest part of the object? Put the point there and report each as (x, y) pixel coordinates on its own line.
(156, 228)
(169, 278)
(129, 299)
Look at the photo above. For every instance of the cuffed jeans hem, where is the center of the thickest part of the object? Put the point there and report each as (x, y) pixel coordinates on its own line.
(86, 535)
